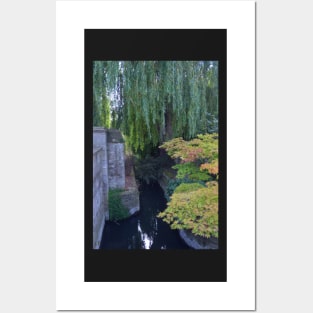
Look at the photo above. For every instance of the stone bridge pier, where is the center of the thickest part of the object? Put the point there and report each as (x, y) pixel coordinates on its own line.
(109, 173)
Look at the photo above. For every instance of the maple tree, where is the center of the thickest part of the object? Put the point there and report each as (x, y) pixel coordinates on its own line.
(194, 206)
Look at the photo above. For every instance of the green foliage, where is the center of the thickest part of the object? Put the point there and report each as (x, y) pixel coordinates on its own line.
(192, 171)
(150, 168)
(212, 95)
(95, 115)
(192, 154)
(212, 123)
(147, 169)
(155, 101)
(188, 187)
(194, 207)
(211, 168)
(101, 103)
(105, 114)
(175, 182)
(117, 211)
(203, 148)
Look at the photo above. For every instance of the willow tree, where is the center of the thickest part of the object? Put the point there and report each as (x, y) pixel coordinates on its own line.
(101, 103)
(154, 101)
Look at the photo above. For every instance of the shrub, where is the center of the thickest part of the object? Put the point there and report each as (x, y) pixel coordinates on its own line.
(191, 171)
(173, 183)
(204, 148)
(196, 210)
(188, 187)
(211, 168)
(190, 205)
(117, 211)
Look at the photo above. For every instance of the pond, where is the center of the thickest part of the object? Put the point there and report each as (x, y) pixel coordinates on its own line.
(143, 230)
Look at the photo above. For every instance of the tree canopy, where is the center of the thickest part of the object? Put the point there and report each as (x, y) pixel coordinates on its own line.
(194, 205)
(154, 101)
(101, 103)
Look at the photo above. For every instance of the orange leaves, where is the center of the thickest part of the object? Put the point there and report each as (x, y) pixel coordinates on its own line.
(195, 209)
(191, 155)
(192, 205)
(212, 168)
(204, 147)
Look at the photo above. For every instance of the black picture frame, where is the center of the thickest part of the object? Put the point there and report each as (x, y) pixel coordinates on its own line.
(156, 44)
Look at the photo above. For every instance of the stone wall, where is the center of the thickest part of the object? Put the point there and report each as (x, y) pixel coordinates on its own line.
(99, 199)
(116, 159)
(109, 173)
(100, 184)
(130, 197)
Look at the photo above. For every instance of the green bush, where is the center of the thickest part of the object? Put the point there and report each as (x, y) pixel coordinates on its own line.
(188, 187)
(117, 211)
(196, 209)
(191, 171)
(191, 205)
(174, 183)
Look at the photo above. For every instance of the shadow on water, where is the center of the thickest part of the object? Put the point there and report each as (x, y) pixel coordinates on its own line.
(144, 230)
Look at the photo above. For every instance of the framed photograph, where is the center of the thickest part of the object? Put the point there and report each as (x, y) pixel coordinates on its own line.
(156, 174)
(165, 97)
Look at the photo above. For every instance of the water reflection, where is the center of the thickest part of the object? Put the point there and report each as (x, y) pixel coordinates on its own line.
(145, 239)
(145, 230)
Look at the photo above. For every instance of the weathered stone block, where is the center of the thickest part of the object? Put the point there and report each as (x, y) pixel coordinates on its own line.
(198, 242)
(99, 197)
(100, 184)
(116, 165)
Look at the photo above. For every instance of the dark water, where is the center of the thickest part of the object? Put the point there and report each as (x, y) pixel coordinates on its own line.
(144, 230)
